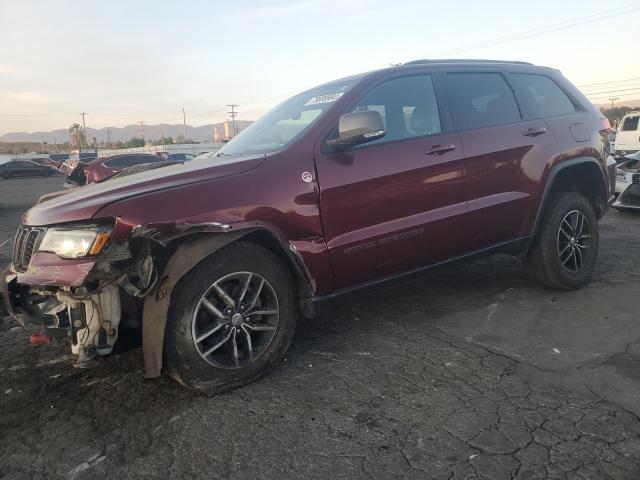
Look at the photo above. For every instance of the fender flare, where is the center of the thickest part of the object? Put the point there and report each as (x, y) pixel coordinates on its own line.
(555, 170)
(156, 305)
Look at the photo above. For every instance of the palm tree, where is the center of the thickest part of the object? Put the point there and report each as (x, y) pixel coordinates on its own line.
(76, 135)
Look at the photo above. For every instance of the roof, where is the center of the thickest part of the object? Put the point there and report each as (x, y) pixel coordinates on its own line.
(463, 61)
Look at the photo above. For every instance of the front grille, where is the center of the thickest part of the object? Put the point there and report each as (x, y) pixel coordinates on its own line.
(26, 241)
(635, 179)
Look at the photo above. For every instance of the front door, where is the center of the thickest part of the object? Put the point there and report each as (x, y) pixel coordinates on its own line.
(396, 203)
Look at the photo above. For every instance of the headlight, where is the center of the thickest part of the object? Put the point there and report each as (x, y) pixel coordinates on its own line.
(74, 242)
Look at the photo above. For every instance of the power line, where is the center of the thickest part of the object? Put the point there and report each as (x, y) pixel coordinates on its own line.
(544, 30)
(605, 89)
(608, 83)
(613, 91)
(620, 95)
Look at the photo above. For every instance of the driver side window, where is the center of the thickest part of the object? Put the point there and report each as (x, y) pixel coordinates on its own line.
(407, 105)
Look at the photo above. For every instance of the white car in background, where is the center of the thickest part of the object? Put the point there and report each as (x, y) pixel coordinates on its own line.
(628, 135)
(628, 183)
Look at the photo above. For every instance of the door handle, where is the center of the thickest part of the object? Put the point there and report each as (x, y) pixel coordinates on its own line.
(439, 149)
(534, 132)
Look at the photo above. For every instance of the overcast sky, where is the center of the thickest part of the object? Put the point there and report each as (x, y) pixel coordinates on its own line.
(126, 61)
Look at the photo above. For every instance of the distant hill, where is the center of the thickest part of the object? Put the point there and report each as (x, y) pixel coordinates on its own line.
(151, 132)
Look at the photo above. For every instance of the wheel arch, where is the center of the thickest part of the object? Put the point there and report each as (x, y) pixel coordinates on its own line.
(581, 175)
(189, 251)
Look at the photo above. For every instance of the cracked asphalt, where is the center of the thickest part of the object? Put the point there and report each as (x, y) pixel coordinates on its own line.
(470, 372)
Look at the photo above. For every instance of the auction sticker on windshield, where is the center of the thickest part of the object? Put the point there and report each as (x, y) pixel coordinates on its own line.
(326, 98)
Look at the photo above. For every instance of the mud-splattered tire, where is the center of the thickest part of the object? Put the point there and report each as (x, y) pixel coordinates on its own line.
(210, 299)
(565, 249)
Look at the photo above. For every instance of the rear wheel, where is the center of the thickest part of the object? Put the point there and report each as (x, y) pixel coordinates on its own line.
(231, 319)
(566, 248)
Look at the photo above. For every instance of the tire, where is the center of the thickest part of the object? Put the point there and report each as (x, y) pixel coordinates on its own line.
(190, 319)
(547, 260)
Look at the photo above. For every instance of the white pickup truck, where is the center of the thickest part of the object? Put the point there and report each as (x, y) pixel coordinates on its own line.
(628, 136)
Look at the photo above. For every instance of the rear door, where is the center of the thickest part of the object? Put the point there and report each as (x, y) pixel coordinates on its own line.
(504, 154)
(396, 203)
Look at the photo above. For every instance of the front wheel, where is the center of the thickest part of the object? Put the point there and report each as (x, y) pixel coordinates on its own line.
(231, 319)
(566, 248)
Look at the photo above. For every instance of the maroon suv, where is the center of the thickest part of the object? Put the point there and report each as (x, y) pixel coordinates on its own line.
(348, 184)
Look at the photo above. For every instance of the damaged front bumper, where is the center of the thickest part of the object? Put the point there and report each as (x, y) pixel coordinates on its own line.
(81, 299)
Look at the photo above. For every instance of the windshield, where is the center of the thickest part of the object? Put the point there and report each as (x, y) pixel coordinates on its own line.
(280, 126)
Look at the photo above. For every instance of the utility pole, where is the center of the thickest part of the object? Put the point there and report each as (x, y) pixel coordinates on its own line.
(233, 114)
(613, 99)
(109, 137)
(84, 132)
(184, 125)
(141, 130)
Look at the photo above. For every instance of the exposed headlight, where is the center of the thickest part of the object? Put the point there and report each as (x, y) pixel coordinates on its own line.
(74, 242)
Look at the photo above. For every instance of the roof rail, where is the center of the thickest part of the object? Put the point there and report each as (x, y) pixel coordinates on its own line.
(462, 60)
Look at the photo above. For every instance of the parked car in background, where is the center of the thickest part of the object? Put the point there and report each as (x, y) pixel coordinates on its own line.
(58, 159)
(180, 157)
(74, 160)
(628, 183)
(100, 169)
(44, 161)
(25, 168)
(628, 136)
(349, 184)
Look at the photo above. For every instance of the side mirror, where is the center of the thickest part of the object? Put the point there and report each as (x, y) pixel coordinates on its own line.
(357, 128)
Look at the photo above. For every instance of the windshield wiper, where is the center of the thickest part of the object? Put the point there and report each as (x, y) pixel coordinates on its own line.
(229, 154)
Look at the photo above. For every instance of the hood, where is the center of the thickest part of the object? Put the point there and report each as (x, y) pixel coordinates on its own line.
(83, 203)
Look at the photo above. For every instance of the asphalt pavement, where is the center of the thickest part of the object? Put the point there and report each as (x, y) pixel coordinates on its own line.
(470, 372)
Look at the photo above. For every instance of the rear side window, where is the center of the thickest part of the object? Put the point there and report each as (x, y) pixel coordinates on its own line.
(630, 124)
(481, 100)
(543, 96)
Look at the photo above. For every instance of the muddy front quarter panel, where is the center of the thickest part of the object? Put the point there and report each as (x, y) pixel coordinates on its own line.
(156, 304)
